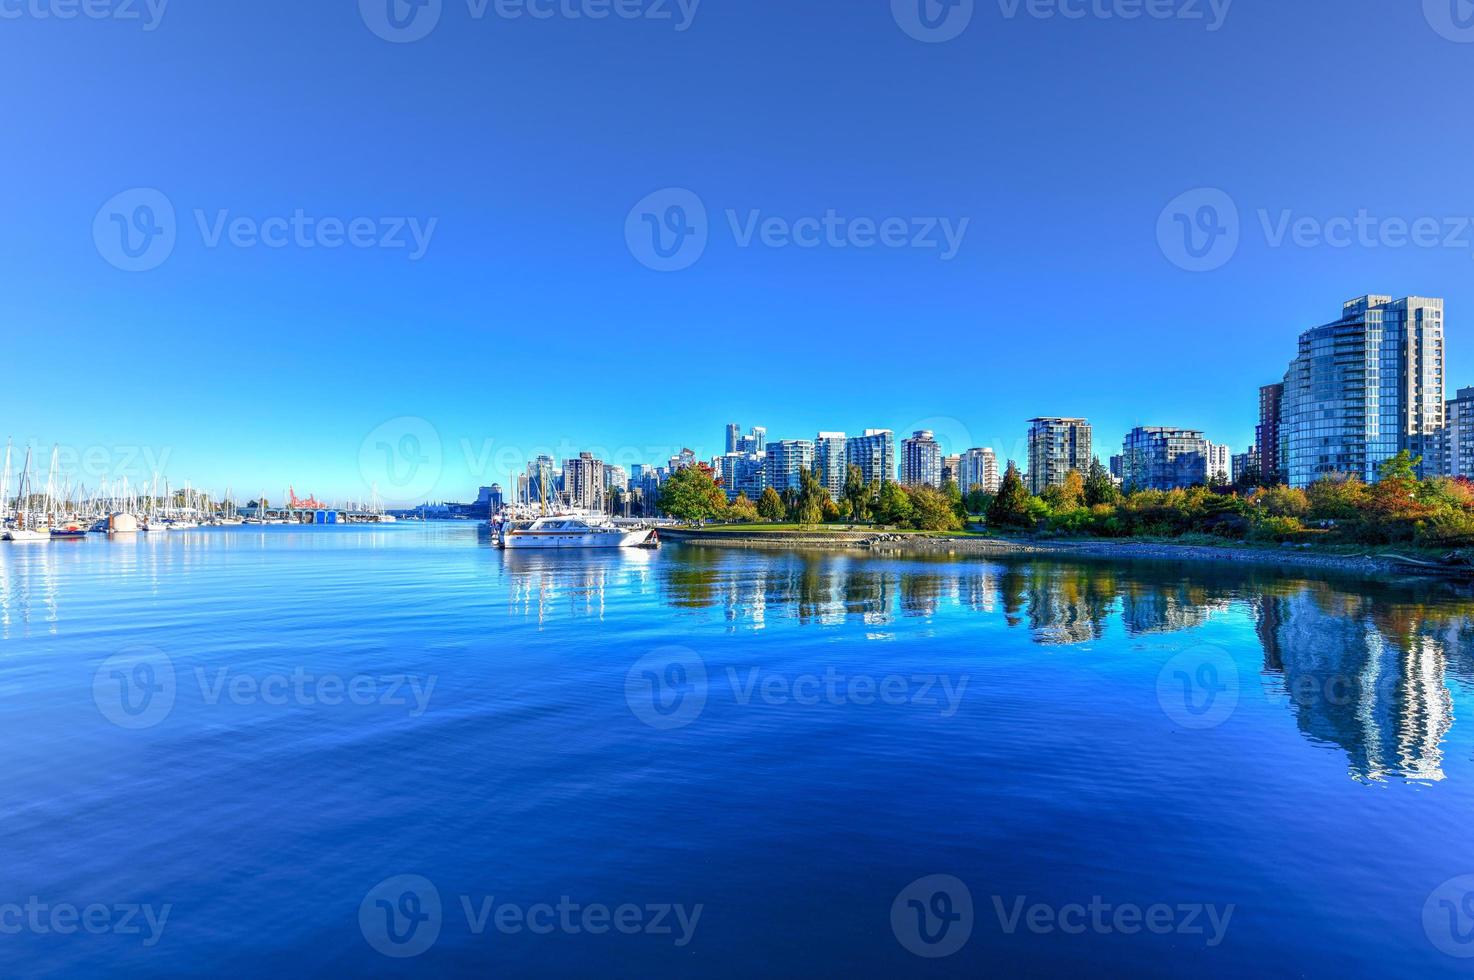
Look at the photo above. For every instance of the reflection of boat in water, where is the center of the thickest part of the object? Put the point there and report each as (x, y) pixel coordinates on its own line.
(569, 531)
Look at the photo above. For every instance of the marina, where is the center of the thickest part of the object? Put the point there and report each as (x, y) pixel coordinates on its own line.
(60, 509)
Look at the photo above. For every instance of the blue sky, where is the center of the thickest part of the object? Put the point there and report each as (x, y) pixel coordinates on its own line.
(527, 319)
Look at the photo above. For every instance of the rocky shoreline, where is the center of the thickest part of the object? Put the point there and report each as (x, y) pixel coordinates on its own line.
(909, 544)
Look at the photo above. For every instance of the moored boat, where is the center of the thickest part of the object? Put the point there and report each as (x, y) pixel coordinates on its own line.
(569, 531)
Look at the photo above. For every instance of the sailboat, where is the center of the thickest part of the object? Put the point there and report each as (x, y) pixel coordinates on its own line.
(23, 530)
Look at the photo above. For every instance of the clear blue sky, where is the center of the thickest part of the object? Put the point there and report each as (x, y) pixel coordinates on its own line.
(530, 323)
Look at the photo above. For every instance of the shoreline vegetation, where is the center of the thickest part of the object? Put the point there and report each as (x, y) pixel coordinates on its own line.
(1400, 524)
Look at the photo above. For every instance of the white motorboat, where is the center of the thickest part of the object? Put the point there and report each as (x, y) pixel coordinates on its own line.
(568, 531)
(27, 534)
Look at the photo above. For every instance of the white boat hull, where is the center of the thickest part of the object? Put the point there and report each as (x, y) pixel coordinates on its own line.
(529, 540)
(20, 535)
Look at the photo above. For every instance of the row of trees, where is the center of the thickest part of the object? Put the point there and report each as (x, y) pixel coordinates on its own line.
(694, 494)
(1398, 509)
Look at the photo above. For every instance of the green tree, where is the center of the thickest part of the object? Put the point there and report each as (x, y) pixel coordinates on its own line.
(1099, 487)
(934, 510)
(692, 494)
(857, 494)
(953, 492)
(770, 507)
(894, 506)
(742, 510)
(978, 501)
(1011, 508)
(1401, 467)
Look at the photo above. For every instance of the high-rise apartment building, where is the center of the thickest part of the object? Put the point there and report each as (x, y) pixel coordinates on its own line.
(1219, 464)
(785, 462)
(1155, 457)
(734, 433)
(583, 481)
(1458, 454)
(829, 462)
(1267, 433)
(921, 460)
(742, 473)
(952, 469)
(875, 454)
(1363, 389)
(1056, 446)
(978, 470)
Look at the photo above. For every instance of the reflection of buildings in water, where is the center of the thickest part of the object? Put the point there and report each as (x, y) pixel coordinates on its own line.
(921, 593)
(1163, 608)
(545, 579)
(977, 590)
(1365, 674)
(1063, 604)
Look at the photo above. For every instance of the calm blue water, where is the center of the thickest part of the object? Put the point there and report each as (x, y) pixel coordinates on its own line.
(308, 748)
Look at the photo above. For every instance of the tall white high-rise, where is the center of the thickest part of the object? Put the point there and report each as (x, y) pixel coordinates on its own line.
(979, 471)
(829, 461)
(1363, 389)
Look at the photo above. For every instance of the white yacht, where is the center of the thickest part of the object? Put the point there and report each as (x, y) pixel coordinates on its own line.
(570, 531)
